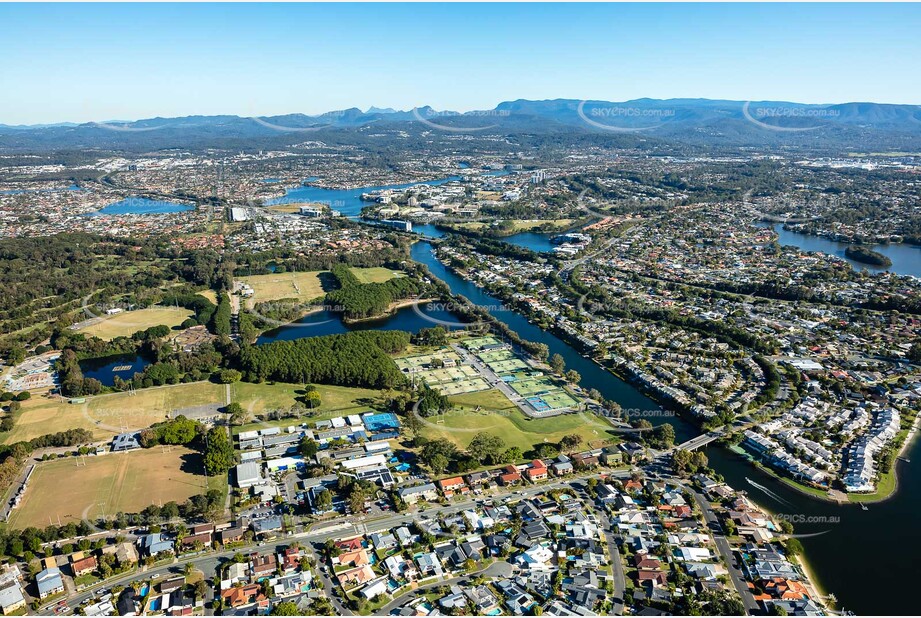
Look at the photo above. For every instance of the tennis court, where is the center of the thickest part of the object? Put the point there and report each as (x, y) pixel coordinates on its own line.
(559, 399)
(463, 386)
(448, 374)
(538, 404)
(491, 356)
(423, 360)
(531, 387)
(507, 366)
(478, 343)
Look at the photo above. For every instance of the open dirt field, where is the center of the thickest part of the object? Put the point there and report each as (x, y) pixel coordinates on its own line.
(128, 482)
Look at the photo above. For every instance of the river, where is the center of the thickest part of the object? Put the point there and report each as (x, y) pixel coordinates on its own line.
(858, 548)
(906, 259)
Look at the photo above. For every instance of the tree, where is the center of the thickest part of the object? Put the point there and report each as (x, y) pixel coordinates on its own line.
(570, 442)
(540, 351)
(914, 353)
(557, 364)
(357, 499)
(285, 608)
(219, 455)
(573, 376)
(313, 399)
(236, 412)
(512, 454)
(438, 463)
(664, 436)
(324, 501)
(308, 448)
(688, 462)
(486, 448)
(229, 376)
(437, 454)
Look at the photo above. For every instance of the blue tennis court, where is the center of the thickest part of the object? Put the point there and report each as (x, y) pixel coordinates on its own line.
(381, 420)
(538, 404)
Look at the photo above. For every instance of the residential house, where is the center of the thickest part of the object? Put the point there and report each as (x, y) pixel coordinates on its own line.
(154, 543)
(453, 485)
(537, 471)
(49, 582)
(81, 565)
(412, 495)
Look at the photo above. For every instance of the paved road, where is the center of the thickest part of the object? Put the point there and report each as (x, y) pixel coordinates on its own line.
(620, 578)
(735, 574)
(318, 534)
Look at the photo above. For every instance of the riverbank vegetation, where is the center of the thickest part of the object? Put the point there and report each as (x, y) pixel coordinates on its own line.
(358, 358)
(359, 301)
(865, 255)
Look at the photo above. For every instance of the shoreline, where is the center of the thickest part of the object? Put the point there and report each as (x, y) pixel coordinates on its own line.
(393, 308)
(663, 402)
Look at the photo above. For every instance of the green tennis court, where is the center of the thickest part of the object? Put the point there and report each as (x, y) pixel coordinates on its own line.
(507, 366)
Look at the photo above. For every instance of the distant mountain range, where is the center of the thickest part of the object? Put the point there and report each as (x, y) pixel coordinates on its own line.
(675, 122)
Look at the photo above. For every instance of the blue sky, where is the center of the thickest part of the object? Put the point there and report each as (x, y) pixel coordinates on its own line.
(80, 62)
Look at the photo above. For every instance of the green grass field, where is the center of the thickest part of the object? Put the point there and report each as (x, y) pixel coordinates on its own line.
(499, 416)
(336, 400)
(106, 415)
(374, 275)
(127, 323)
(303, 286)
(62, 490)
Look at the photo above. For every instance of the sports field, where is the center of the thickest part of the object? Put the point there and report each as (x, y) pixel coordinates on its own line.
(498, 416)
(374, 275)
(451, 380)
(106, 415)
(67, 490)
(127, 323)
(304, 286)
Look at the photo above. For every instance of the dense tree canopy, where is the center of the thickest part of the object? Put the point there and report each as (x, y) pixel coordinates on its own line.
(359, 358)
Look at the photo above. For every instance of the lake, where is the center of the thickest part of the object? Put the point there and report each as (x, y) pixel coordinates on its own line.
(906, 259)
(142, 206)
(328, 323)
(346, 201)
(103, 368)
(529, 240)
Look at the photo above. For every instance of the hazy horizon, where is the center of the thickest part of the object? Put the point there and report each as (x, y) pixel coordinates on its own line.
(86, 62)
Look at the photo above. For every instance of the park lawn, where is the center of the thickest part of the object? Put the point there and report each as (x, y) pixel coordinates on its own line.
(885, 487)
(303, 286)
(41, 415)
(335, 400)
(106, 415)
(68, 490)
(127, 323)
(498, 416)
(150, 405)
(374, 275)
(524, 225)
